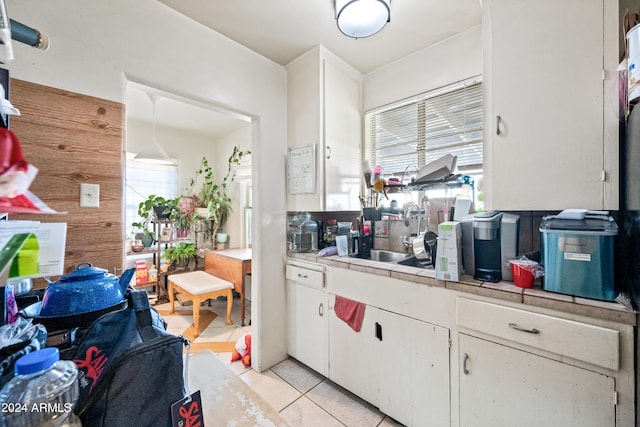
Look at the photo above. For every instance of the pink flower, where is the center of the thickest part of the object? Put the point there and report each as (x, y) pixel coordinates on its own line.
(188, 205)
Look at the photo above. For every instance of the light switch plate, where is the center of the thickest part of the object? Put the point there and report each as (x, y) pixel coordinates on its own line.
(90, 195)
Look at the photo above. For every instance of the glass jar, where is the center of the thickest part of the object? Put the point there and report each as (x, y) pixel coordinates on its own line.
(303, 233)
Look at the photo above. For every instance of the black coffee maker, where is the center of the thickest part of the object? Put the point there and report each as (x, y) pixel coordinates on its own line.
(489, 241)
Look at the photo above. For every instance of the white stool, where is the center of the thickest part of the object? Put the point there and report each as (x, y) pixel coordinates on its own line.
(200, 286)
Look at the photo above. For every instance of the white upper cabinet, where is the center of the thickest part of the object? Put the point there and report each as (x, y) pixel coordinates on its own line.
(323, 110)
(551, 109)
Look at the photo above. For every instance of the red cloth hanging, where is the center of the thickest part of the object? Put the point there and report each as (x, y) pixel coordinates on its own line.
(351, 312)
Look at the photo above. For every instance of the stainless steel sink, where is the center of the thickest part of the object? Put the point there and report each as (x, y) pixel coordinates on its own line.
(388, 256)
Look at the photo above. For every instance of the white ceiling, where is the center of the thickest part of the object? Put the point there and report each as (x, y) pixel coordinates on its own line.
(284, 29)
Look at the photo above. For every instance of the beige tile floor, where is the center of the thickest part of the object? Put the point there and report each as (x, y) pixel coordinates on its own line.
(303, 397)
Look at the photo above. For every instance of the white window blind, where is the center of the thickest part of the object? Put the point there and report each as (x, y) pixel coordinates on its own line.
(406, 136)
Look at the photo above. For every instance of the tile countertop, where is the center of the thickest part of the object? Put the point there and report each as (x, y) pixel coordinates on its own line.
(505, 291)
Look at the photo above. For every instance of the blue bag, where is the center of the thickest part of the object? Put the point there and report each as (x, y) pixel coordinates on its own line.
(130, 369)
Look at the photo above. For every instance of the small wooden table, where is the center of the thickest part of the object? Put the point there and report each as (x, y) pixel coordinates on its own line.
(231, 265)
(199, 286)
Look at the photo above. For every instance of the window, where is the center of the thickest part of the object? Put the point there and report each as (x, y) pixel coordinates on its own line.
(403, 137)
(144, 179)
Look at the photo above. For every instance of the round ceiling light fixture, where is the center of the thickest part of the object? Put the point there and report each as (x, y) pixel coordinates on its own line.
(362, 18)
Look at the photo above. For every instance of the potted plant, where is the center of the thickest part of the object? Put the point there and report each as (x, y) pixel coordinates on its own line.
(214, 195)
(180, 254)
(185, 215)
(142, 233)
(158, 207)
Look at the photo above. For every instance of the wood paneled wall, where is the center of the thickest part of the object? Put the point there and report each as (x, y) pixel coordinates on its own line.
(73, 139)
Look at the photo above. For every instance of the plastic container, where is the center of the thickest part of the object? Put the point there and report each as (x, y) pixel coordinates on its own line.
(578, 257)
(344, 228)
(43, 393)
(152, 274)
(377, 171)
(523, 276)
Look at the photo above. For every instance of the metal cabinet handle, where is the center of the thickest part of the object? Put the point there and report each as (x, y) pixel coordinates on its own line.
(321, 309)
(498, 125)
(521, 329)
(303, 276)
(328, 152)
(464, 364)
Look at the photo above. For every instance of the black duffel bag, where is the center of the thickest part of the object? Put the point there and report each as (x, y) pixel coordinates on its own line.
(130, 369)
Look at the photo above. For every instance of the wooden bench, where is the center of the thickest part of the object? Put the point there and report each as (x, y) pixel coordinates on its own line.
(200, 286)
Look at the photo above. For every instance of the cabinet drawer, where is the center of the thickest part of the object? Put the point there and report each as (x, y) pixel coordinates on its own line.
(305, 276)
(588, 343)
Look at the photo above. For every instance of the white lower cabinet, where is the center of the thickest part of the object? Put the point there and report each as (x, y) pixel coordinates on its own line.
(308, 327)
(504, 386)
(354, 357)
(428, 356)
(395, 362)
(519, 367)
(414, 371)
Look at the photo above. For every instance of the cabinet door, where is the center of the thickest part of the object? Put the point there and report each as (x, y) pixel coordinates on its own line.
(502, 386)
(304, 123)
(308, 326)
(414, 371)
(354, 356)
(323, 108)
(543, 76)
(342, 139)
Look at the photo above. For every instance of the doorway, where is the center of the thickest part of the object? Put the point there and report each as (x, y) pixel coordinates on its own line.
(187, 130)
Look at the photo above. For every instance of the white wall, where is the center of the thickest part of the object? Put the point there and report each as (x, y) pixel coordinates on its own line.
(449, 61)
(238, 190)
(97, 46)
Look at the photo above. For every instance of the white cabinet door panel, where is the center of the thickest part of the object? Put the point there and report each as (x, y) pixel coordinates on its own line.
(503, 386)
(342, 139)
(308, 326)
(543, 79)
(354, 356)
(414, 371)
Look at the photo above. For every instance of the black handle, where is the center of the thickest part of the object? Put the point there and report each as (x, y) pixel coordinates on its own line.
(379, 331)
(521, 329)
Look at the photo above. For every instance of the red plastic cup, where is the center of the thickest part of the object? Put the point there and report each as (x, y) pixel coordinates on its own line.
(522, 275)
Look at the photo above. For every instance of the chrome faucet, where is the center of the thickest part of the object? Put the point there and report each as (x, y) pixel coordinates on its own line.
(407, 241)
